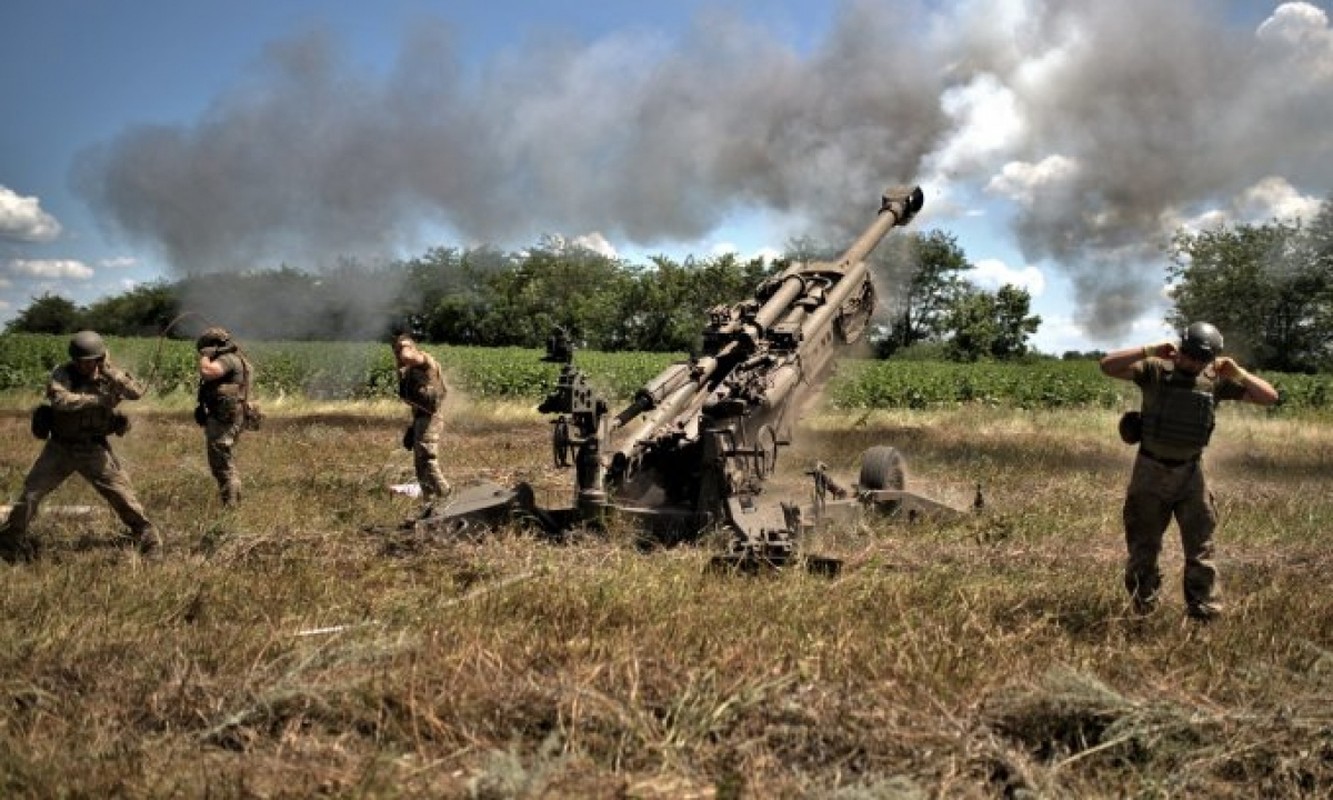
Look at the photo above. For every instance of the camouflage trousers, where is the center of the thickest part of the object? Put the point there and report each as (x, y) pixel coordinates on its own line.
(427, 430)
(220, 442)
(95, 461)
(1157, 493)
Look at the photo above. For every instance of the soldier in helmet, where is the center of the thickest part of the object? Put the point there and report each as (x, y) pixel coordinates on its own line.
(224, 397)
(421, 386)
(83, 395)
(1181, 387)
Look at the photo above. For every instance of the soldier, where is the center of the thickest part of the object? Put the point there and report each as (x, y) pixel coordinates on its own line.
(421, 386)
(224, 398)
(82, 395)
(1181, 387)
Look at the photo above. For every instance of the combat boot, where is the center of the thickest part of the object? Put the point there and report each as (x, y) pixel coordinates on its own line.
(148, 541)
(1204, 612)
(16, 548)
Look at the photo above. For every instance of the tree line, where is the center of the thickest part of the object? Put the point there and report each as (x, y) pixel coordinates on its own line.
(486, 297)
(1269, 287)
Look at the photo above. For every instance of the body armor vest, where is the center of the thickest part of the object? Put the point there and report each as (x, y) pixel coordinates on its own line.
(1182, 412)
(422, 387)
(90, 422)
(223, 397)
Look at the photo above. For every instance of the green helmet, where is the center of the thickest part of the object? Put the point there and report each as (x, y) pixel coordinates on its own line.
(213, 337)
(86, 345)
(1201, 342)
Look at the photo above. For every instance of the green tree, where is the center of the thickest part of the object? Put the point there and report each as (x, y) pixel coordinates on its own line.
(991, 325)
(920, 281)
(665, 307)
(1269, 288)
(144, 310)
(49, 313)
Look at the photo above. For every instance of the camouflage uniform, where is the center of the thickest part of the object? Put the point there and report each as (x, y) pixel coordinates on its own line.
(223, 401)
(422, 387)
(1168, 480)
(83, 415)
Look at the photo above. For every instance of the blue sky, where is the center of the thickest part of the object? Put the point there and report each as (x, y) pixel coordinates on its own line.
(1061, 142)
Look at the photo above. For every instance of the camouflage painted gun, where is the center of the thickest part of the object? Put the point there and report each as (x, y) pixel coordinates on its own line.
(693, 449)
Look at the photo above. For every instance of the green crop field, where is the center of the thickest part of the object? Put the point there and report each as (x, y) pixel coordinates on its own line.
(363, 371)
(303, 646)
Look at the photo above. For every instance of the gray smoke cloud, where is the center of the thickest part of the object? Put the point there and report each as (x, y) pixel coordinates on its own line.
(1102, 126)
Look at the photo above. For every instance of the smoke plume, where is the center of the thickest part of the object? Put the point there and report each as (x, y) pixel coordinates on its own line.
(1098, 126)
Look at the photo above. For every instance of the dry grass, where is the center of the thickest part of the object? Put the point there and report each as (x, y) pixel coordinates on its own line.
(281, 651)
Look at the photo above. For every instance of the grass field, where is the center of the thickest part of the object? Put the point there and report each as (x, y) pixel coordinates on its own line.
(282, 651)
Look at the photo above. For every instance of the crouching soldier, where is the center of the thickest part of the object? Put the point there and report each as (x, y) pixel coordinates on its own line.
(82, 396)
(224, 407)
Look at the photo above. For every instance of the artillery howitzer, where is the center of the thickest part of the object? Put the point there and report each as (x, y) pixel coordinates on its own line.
(692, 450)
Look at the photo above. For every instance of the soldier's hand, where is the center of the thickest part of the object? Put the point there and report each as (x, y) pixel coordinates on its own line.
(1167, 350)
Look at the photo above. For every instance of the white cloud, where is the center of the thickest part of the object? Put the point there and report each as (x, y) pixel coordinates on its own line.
(987, 125)
(122, 262)
(992, 273)
(597, 243)
(1274, 198)
(1022, 181)
(22, 219)
(1271, 198)
(48, 268)
(1301, 32)
(718, 249)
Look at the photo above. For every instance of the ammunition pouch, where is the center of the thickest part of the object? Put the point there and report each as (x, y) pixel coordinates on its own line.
(254, 417)
(43, 417)
(223, 402)
(83, 424)
(1131, 427)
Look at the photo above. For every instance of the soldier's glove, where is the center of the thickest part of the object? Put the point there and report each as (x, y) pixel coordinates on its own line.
(120, 424)
(409, 437)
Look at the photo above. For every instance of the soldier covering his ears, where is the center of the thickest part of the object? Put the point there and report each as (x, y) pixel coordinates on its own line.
(224, 407)
(421, 386)
(82, 394)
(1181, 387)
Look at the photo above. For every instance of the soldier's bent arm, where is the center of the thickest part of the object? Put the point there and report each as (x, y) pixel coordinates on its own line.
(1257, 390)
(210, 369)
(127, 385)
(1120, 363)
(61, 394)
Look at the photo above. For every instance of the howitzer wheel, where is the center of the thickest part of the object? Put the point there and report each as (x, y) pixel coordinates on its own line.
(882, 467)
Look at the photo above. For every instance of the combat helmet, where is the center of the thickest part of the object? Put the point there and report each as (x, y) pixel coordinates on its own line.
(216, 336)
(86, 345)
(1201, 342)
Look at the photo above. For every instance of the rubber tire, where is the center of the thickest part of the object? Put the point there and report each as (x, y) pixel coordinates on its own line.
(882, 467)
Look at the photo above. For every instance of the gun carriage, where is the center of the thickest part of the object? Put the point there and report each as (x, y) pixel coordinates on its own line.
(693, 449)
